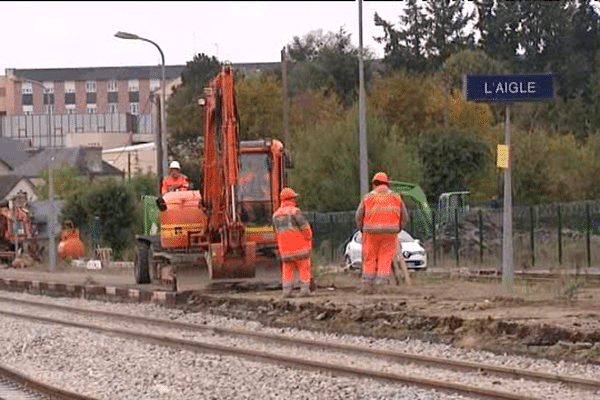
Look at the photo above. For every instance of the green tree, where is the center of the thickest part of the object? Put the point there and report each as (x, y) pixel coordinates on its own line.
(260, 108)
(66, 179)
(326, 61)
(114, 203)
(406, 47)
(450, 157)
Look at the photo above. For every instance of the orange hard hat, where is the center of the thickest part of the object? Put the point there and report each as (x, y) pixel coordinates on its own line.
(288, 194)
(380, 177)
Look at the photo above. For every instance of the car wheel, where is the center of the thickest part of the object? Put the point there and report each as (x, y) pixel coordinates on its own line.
(347, 263)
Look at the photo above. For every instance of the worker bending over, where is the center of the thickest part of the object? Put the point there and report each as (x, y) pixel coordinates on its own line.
(380, 216)
(175, 181)
(294, 238)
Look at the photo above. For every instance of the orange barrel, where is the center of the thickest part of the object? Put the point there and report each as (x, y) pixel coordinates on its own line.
(70, 245)
(181, 216)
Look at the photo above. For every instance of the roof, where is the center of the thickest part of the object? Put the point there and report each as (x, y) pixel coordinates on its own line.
(142, 146)
(99, 73)
(70, 155)
(7, 183)
(12, 152)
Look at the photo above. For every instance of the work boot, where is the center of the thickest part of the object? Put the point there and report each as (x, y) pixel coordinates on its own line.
(304, 291)
(286, 292)
(382, 281)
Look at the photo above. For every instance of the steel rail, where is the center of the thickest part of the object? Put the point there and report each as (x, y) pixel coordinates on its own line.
(465, 366)
(278, 359)
(34, 385)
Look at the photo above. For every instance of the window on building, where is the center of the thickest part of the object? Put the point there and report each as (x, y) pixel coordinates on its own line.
(113, 86)
(113, 97)
(91, 109)
(133, 85)
(134, 108)
(90, 87)
(28, 110)
(154, 84)
(70, 99)
(27, 88)
(113, 108)
(90, 98)
(134, 97)
(49, 109)
(2, 92)
(48, 87)
(69, 86)
(70, 108)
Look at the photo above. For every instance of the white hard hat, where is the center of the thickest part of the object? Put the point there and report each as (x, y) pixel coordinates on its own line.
(174, 164)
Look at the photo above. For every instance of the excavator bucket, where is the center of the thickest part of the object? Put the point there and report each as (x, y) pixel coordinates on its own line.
(220, 270)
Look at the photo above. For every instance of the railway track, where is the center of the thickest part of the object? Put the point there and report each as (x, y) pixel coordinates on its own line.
(281, 358)
(17, 386)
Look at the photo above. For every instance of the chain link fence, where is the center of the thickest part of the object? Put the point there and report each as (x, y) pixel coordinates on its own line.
(548, 236)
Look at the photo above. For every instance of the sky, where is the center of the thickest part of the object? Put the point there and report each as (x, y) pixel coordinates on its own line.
(81, 34)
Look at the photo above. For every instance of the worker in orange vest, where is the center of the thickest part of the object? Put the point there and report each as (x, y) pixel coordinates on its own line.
(176, 180)
(294, 239)
(380, 216)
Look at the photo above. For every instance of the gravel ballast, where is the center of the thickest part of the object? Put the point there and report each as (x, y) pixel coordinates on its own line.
(115, 368)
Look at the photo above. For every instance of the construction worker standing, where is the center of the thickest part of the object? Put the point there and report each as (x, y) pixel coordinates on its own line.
(176, 180)
(380, 216)
(294, 239)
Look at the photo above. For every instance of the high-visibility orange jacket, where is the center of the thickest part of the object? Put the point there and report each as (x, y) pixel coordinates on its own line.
(170, 184)
(294, 235)
(381, 211)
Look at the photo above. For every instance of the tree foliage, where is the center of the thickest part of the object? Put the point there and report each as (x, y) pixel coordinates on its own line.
(65, 179)
(115, 205)
(260, 107)
(326, 60)
(450, 157)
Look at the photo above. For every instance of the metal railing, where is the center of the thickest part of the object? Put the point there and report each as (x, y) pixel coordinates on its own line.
(547, 236)
(34, 129)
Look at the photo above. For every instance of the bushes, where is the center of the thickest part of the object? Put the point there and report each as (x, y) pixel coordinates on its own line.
(114, 202)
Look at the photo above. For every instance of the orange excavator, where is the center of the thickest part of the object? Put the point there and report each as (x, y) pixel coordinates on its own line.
(224, 231)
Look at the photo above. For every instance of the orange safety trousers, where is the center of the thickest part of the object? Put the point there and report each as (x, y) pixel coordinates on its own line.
(378, 250)
(287, 272)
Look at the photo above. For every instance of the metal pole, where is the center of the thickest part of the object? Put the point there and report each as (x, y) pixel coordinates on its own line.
(163, 117)
(364, 185)
(286, 131)
(559, 234)
(507, 242)
(52, 216)
(532, 236)
(480, 236)
(587, 235)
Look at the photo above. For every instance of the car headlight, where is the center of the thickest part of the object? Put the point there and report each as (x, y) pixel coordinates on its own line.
(406, 254)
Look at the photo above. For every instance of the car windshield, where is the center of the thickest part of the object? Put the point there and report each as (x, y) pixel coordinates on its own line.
(405, 237)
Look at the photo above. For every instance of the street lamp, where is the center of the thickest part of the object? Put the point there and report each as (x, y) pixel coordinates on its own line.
(161, 144)
(51, 234)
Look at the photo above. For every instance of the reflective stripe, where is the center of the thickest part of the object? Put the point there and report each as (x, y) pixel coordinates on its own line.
(295, 255)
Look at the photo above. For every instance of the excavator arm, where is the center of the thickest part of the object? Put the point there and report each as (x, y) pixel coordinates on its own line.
(229, 254)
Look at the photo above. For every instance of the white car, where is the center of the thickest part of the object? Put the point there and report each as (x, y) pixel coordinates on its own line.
(413, 252)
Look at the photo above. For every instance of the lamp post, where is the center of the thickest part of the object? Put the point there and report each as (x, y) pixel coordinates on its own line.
(161, 144)
(51, 224)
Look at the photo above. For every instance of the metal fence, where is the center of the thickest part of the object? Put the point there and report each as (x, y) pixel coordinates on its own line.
(51, 130)
(544, 237)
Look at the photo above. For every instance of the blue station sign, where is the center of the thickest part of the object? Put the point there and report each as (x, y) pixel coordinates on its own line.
(522, 87)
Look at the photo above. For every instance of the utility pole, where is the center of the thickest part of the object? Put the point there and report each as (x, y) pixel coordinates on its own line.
(51, 223)
(364, 185)
(286, 129)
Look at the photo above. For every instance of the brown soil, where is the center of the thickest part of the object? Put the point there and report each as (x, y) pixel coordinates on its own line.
(557, 319)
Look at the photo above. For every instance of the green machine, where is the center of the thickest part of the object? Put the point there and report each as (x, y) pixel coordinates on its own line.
(151, 215)
(449, 204)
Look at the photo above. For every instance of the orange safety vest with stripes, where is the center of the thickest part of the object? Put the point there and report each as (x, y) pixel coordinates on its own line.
(170, 184)
(381, 211)
(294, 235)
